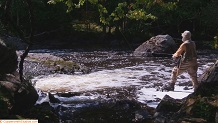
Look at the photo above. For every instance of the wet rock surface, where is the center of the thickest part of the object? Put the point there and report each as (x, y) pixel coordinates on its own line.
(37, 64)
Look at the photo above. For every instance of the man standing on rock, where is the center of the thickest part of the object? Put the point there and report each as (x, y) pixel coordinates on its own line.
(188, 62)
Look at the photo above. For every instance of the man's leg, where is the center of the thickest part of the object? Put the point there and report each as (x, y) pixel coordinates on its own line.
(175, 72)
(192, 71)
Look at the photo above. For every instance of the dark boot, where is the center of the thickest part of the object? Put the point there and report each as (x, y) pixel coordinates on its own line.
(168, 87)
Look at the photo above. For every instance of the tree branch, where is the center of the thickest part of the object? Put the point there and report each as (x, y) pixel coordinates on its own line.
(23, 56)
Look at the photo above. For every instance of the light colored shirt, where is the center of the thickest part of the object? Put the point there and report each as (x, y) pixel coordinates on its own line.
(179, 52)
(190, 53)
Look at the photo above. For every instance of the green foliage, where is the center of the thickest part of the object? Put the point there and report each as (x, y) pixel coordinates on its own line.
(140, 14)
(71, 4)
(103, 12)
(116, 12)
(119, 12)
(133, 18)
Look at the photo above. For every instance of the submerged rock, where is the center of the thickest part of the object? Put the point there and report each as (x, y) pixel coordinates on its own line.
(46, 63)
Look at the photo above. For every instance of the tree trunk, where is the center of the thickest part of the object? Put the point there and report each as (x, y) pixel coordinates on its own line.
(23, 56)
(104, 29)
(7, 20)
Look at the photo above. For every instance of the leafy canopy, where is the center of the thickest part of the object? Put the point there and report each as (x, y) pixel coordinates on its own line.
(114, 10)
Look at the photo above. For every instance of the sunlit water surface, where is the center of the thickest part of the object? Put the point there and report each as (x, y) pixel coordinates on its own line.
(115, 75)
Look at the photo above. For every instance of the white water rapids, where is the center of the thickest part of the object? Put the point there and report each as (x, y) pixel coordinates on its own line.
(143, 75)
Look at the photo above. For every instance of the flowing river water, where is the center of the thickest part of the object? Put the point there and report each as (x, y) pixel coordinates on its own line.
(113, 75)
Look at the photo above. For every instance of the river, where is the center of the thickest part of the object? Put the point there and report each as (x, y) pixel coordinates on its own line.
(116, 75)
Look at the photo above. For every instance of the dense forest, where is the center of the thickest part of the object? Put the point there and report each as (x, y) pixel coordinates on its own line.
(99, 21)
(109, 86)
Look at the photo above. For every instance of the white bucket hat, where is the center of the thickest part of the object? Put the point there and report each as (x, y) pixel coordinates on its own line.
(186, 34)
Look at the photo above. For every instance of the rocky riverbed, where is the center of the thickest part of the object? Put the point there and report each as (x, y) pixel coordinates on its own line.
(116, 86)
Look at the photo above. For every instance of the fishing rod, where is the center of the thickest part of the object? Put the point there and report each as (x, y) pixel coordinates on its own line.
(160, 54)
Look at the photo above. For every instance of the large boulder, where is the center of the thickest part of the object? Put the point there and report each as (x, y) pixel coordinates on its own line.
(166, 108)
(8, 60)
(15, 96)
(18, 43)
(156, 45)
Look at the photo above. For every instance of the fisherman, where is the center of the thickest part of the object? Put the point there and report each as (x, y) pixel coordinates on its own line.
(188, 62)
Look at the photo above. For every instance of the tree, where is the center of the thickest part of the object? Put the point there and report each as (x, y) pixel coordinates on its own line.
(7, 20)
(128, 16)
